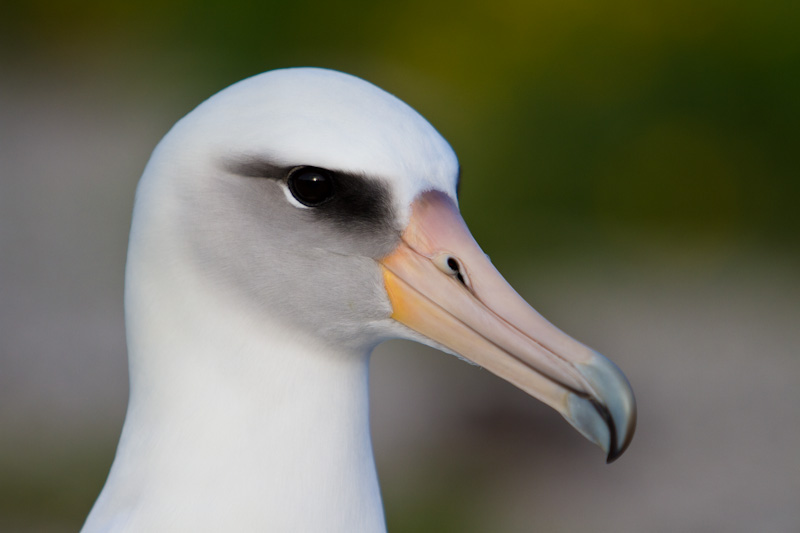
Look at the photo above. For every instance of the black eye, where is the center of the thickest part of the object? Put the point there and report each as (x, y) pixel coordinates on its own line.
(311, 186)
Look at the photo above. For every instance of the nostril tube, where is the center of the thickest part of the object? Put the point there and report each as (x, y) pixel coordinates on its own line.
(453, 264)
(452, 267)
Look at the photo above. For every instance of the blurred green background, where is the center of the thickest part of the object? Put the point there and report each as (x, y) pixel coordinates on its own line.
(631, 166)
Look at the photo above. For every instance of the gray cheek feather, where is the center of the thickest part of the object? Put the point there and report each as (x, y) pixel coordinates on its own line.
(291, 264)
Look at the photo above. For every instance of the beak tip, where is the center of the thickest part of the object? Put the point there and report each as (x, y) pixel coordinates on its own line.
(623, 438)
(620, 427)
(612, 457)
(618, 448)
(609, 418)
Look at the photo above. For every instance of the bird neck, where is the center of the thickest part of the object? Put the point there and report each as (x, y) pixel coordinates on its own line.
(238, 426)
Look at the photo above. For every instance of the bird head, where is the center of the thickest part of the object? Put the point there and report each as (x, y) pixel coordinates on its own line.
(327, 205)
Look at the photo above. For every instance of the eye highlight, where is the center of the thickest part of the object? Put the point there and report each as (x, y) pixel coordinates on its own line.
(311, 186)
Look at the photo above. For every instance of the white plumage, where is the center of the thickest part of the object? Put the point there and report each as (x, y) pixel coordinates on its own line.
(252, 308)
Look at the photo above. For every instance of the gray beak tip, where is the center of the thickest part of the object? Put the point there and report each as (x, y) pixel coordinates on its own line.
(607, 416)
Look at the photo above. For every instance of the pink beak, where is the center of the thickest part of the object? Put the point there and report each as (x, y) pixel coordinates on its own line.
(442, 285)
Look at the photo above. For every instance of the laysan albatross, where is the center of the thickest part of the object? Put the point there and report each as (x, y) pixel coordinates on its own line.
(282, 230)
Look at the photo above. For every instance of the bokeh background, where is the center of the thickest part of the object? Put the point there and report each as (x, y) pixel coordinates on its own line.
(632, 167)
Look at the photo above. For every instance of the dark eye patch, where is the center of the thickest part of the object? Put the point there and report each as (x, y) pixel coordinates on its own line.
(255, 167)
(358, 202)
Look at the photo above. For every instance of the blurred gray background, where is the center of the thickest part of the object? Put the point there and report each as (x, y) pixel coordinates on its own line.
(631, 168)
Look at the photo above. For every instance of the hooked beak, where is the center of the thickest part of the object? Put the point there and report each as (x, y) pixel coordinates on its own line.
(442, 285)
